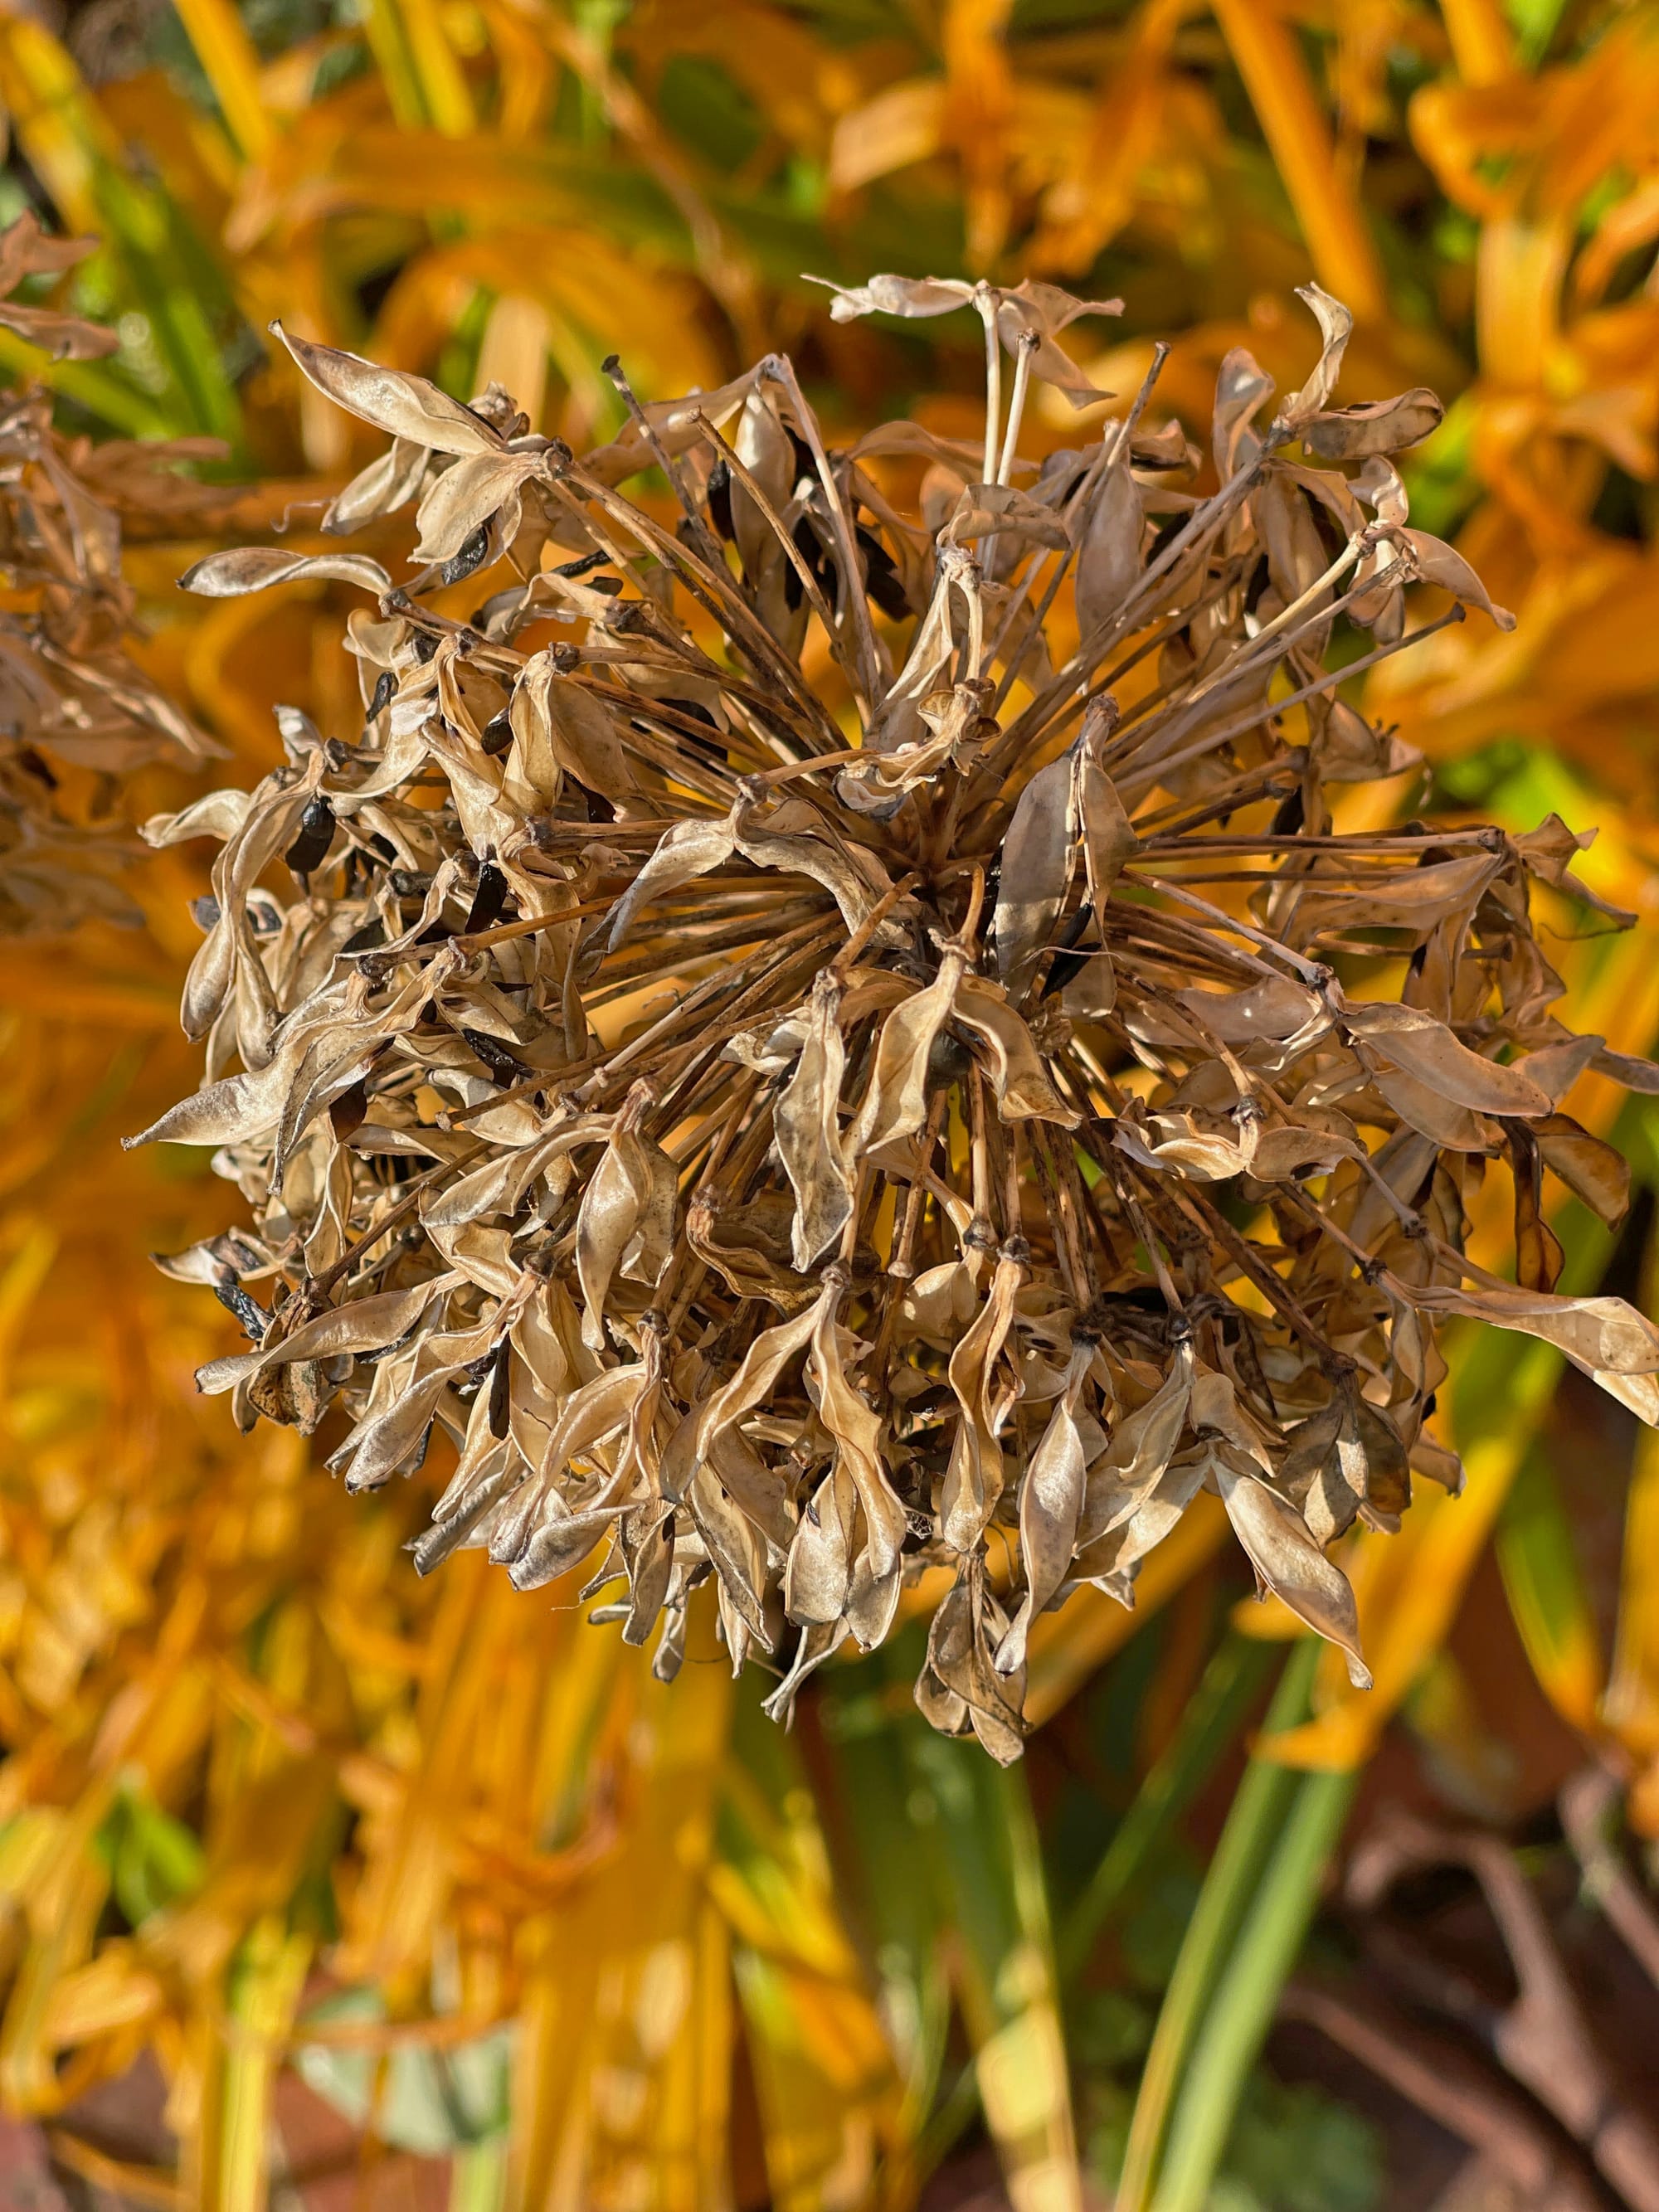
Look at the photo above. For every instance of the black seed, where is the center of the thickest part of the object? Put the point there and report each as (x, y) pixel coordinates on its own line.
(1067, 964)
(881, 579)
(468, 559)
(500, 1383)
(488, 899)
(347, 1112)
(809, 546)
(805, 464)
(585, 566)
(496, 734)
(719, 500)
(1290, 814)
(310, 848)
(503, 1064)
(250, 1314)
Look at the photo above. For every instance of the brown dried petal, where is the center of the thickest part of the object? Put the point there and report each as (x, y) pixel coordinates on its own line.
(1050, 1503)
(402, 405)
(1437, 562)
(1379, 426)
(1109, 560)
(625, 1225)
(1290, 1564)
(808, 1135)
(1039, 857)
(1426, 1049)
(255, 568)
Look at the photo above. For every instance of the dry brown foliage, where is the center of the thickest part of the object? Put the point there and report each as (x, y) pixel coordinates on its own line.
(77, 713)
(830, 1032)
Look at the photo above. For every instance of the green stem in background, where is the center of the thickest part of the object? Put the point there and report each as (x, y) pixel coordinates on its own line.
(1241, 2010)
(114, 402)
(175, 282)
(957, 1903)
(478, 2176)
(1259, 1812)
(388, 40)
(948, 2121)
(1209, 1724)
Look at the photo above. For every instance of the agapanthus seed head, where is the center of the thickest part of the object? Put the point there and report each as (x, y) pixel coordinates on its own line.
(824, 1027)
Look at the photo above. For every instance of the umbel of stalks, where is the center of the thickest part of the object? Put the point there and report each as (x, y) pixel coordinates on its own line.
(826, 1031)
(77, 714)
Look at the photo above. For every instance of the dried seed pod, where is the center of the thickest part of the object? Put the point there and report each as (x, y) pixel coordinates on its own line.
(77, 713)
(791, 1128)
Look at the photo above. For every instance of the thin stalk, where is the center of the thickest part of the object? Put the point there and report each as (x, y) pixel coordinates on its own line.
(1028, 346)
(1258, 1812)
(1309, 969)
(1243, 2007)
(985, 300)
(1154, 772)
(707, 543)
(1208, 1724)
(869, 660)
(1107, 458)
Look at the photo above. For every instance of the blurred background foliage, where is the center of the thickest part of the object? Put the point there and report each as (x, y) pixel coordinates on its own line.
(385, 1892)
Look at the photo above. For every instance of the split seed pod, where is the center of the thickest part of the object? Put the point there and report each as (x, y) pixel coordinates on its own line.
(805, 1074)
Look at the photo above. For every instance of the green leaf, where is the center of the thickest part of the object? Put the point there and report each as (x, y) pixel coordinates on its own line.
(1208, 1725)
(1262, 1813)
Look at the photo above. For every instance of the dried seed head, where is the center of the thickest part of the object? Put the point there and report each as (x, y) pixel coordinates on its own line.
(814, 1027)
(76, 713)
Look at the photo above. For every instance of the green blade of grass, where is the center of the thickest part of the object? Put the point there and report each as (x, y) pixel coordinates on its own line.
(986, 1841)
(900, 1908)
(1254, 1824)
(105, 395)
(951, 1871)
(478, 2176)
(1212, 1719)
(1242, 2007)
